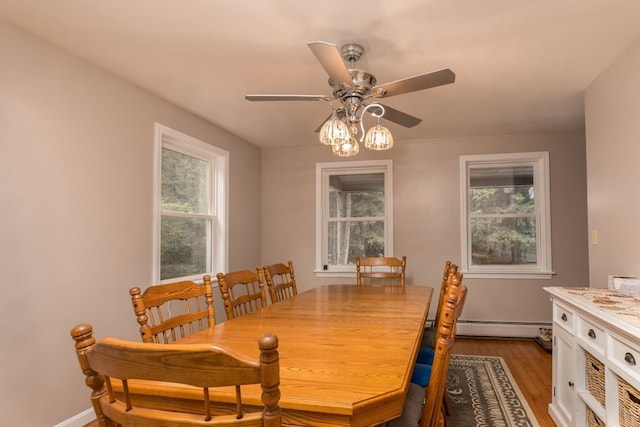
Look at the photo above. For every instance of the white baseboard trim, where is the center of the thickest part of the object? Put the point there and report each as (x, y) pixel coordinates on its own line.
(78, 420)
(500, 329)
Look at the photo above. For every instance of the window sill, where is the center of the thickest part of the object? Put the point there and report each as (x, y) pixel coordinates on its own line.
(335, 273)
(546, 275)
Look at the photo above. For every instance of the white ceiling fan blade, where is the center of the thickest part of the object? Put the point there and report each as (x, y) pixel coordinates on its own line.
(396, 116)
(329, 57)
(415, 83)
(288, 98)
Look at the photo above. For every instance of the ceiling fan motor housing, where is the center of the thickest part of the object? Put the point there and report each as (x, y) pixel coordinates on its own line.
(352, 52)
(362, 82)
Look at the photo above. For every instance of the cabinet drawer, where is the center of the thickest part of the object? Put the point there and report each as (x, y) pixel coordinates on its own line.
(626, 357)
(563, 317)
(592, 334)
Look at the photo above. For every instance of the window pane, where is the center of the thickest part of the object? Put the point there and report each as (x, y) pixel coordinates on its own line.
(501, 190)
(356, 195)
(183, 246)
(503, 241)
(184, 182)
(348, 239)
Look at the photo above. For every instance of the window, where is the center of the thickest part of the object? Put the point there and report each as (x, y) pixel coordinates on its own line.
(506, 229)
(190, 238)
(354, 214)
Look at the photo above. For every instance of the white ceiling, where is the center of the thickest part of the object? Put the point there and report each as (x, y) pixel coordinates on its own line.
(521, 65)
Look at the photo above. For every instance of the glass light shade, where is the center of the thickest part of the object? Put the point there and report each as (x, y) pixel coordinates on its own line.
(334, 131)
(378, 138)
(346, 149)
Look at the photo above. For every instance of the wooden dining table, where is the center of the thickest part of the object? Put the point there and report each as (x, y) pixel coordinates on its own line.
(346, 352)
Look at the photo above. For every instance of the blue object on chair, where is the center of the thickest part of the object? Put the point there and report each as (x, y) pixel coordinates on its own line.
(426, 355)
(421, 374)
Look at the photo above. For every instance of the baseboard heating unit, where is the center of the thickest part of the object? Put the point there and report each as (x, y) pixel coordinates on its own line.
(500, 329)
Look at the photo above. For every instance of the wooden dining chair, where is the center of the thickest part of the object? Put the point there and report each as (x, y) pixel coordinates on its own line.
(429, 336)
(113, 367)
(433, 377)
(281, 281)
(426, 353)
(381, 271)
(449, 269)
(172, 311)
(242, 291)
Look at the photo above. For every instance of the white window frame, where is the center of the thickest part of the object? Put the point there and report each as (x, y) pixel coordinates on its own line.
(218, 184)
(542, 269)
(323, 172)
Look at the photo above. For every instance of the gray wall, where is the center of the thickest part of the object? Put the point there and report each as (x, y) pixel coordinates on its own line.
(427, 215)
(76, 151)
(612, 105)
(76, 176)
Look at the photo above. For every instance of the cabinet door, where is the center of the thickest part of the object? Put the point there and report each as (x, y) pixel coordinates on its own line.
(564, 376)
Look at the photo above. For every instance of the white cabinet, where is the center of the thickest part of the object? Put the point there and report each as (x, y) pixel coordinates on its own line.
(563, 404)
(596, 358)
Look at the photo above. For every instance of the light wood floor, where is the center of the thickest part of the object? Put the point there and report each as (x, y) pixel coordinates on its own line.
(529, 364)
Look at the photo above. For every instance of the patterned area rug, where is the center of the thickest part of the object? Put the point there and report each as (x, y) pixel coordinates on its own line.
(482, 393)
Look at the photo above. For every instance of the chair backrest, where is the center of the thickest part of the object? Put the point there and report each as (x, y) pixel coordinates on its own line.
(449, 269)
(281, 281)
(381, 271)
(111, 362)
(433, 411)
(242, 291)
(174, 310)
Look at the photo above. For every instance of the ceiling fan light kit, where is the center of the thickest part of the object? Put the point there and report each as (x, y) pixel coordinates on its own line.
(378, 138)
(334, 131)
(346, 149)
(351, 90)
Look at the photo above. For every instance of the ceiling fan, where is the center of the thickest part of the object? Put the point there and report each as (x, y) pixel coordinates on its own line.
(352, 88)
